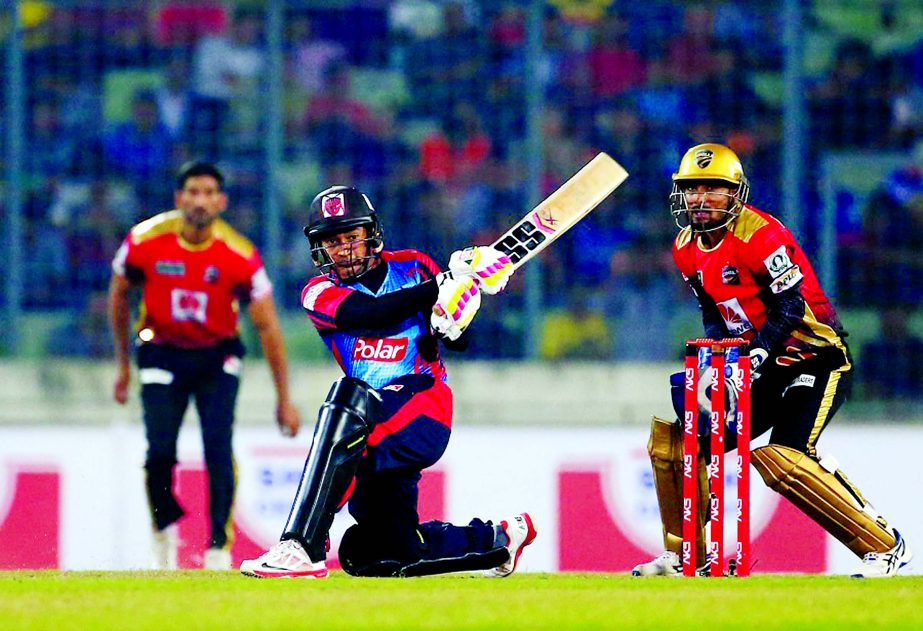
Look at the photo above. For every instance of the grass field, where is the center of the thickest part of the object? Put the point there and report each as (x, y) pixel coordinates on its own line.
(225, 600)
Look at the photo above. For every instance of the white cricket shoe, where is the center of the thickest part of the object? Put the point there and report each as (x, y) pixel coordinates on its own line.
(884, 564)
(668, 564)
(164, 545)
(217, 559)
(286, 559)
(520, 532)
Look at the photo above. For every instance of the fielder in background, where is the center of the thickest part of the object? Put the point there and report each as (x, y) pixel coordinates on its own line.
(753, 280)
(383, 314)
(194, 271)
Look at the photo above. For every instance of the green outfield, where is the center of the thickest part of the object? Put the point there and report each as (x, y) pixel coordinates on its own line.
(225, 600)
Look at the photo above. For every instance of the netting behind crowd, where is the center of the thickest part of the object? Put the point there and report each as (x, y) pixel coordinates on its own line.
(454, 117)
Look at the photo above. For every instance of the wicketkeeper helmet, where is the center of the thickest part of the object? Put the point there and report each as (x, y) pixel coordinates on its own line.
(709, 163)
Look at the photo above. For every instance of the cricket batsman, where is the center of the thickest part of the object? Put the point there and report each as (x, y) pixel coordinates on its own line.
(383, 315)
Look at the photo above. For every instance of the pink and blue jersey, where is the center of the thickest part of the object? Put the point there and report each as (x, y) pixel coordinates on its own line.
(376, 356)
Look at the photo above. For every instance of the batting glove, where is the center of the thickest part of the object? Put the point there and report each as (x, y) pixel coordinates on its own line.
(488, 265)
(456, 305)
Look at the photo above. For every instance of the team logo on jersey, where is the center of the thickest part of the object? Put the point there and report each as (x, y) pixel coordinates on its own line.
(734, 317)
(730, 275)
(188, 305)
(333, 205)
(170, 268)
(394, 387)
(703, 158)
(211, 274)
(380, 349)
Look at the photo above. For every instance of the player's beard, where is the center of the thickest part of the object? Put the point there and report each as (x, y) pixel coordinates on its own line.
(199, 218)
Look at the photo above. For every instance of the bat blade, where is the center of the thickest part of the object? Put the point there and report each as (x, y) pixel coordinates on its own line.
(561, 210)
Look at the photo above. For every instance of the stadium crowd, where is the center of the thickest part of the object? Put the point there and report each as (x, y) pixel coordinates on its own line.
(423, 105)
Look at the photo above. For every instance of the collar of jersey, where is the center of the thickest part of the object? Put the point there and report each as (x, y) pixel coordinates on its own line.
(194, 247)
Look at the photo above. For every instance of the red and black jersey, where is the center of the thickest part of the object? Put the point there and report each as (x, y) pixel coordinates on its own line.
(757, 260)
(191, 292)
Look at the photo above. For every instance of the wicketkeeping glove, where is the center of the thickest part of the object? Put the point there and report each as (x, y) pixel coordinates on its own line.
(458, 301)
(491, 267)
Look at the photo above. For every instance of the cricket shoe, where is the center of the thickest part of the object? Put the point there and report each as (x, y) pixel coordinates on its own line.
(520, 531)
(884, 564)
(164, 546)
(217, 559)
(286, 559)
(667, 564)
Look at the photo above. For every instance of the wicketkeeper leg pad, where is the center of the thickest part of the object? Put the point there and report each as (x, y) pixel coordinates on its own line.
(665, 448)
(825, 495)
(340, 437)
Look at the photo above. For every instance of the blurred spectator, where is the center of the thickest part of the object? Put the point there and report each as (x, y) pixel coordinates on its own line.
(725, 95)
(224, 65)
(691, 52)
(93, 235)
(52, 151)
(849, 106)
(893, 219)
(456, 149)
(562, 153)
(45, 262)
(335, 106)
(344, 129)
(174, 99)
(642, 296)
(140, 150)
(449, 67)
(312, 55)
(906, 110)
(127, 41)
(660, 101)
(891, 367)
(578, 331)
(180, 23)
(563, 67)
(86, 334)
(614, 66)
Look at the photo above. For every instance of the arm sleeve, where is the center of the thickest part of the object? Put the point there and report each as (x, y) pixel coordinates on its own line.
(783, 315)
(361, 311)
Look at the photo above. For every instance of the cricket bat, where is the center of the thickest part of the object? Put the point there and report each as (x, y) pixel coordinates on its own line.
(561, 210)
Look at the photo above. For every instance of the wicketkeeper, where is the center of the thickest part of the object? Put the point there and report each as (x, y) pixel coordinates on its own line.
(753, 280)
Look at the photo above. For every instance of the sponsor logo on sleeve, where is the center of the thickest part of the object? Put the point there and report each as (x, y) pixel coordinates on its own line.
(380, 349)
(778, 262)
(787, 280)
